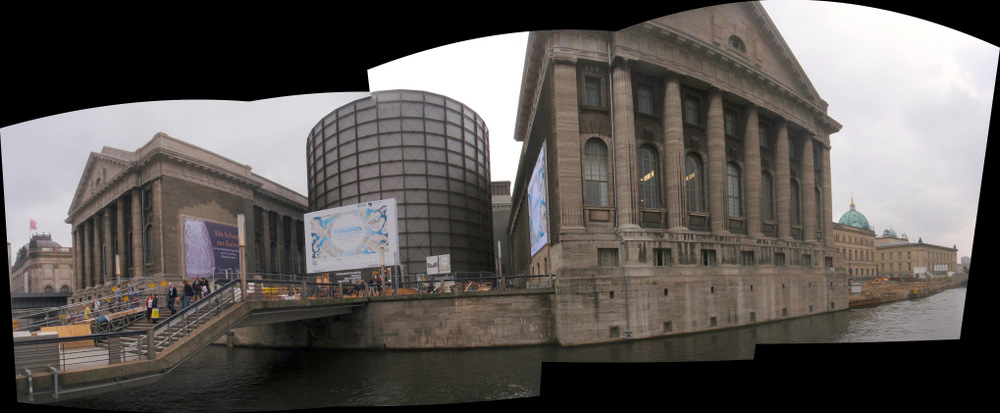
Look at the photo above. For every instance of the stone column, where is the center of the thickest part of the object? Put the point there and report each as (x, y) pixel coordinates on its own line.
(138, 238)
(97, 274)
(827, 198)
(78, 250)
(673, 125)
(808, 192)
(783, 182)
(752, 172)
(265, 226)
(624, 141)
(566, 161)
(716, 163)
(109, 264)
(120, 245)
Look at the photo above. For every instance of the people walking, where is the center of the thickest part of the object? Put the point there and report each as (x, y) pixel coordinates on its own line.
(204, 286)
(150, 304)
(171, 296)
(188, 293)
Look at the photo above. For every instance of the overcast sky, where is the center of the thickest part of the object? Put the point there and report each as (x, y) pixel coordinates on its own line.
(914, 98)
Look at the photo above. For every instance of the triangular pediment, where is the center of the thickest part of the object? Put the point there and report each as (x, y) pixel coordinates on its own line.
(101, 169)
(760, 47)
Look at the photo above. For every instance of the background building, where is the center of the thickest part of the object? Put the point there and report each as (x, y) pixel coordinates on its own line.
(427, 151)
(897, 257)
(42, 266)
(169, 210)
(501, 217)
(854, 239)
(685, 165)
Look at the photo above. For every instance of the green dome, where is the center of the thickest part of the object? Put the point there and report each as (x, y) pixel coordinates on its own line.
(855, 219)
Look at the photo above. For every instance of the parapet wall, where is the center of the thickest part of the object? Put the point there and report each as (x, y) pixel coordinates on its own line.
(485, 319)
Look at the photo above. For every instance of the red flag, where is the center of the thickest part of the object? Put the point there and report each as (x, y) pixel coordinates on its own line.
(34, 225)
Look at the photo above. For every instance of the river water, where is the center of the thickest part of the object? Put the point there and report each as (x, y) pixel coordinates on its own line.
(253, 379)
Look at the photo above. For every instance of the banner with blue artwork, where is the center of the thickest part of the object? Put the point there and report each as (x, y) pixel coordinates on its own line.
(351, 237)
(538, 205)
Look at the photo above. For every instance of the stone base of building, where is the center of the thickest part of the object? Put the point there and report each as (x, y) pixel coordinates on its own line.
(585, 307)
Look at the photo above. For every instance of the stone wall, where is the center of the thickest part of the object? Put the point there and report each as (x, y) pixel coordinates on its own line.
(485, 319)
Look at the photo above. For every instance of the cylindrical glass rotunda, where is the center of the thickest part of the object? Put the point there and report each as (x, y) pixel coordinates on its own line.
(430, 153)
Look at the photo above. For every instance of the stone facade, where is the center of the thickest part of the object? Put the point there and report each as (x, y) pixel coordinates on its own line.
(897, 257)
(688, 165)
(42, 266)
(129, 210)
(493, 319)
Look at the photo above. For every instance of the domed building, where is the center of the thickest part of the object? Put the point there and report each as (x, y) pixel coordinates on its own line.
(855, 218)
(854, 238)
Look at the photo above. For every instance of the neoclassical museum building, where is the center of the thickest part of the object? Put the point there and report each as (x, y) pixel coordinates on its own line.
(168, 211)
(674, 177)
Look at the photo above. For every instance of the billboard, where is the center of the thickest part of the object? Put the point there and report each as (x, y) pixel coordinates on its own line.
(439, 264)
(538, 205)
(352, 237)
(210, 248)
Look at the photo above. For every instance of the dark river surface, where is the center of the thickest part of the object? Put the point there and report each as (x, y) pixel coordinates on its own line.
(254, 379)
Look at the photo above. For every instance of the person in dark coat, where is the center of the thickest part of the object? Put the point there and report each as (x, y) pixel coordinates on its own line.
(171, 296)
(188, 293)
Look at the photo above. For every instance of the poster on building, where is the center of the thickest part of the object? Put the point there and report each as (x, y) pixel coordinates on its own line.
(538, 205)
(211, 249)
(439, 264)
(351, 237)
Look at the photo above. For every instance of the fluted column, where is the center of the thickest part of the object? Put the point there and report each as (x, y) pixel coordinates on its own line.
(120, 240)
(673, 125)
(98, 270)
(78, 249)
(716, 163)
(624, 141)
(783, 182)
(568, 148)
(138, 238)
(265, 226)
(827, 197)
(808, 191)
(108, 267)
(752, 172)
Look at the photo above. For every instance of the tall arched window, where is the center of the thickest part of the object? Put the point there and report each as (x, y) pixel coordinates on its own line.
(694, 182)
(596, 172)
(795, 204)
(766, 197)
(648, 192)
(733, 190)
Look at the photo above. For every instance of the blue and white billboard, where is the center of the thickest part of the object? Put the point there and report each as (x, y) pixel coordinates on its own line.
(538, 205)
(352, 237)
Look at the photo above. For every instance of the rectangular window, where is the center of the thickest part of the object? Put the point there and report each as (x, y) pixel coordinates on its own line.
(729, 121)
(691, 110)
(607, 257)
(746, 258)
(779, 259)
(806, 260)
(662, 257)
(644, 99)
(708, 257)
(592, 91)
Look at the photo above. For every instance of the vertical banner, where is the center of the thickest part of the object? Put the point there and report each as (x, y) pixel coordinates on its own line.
(352, 237)
(210, 249)
(538, 205)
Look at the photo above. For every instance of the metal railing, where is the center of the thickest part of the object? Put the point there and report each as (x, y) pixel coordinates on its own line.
(38, 353)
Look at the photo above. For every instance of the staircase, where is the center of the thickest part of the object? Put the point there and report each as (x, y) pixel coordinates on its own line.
(170, 329)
